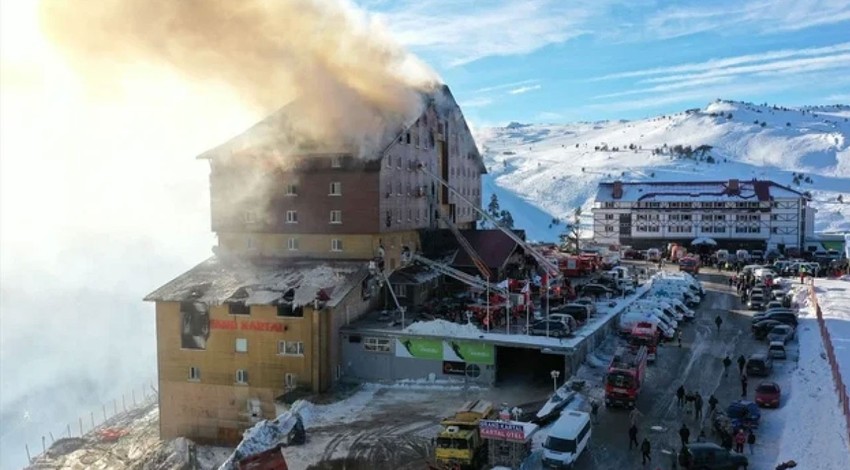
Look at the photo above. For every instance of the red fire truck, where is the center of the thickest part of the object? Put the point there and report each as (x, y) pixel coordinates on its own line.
(625, 377)
(689, 264)
(645, 334)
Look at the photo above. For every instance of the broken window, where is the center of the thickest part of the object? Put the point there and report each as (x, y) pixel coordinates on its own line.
(238, 308)
(195, 325)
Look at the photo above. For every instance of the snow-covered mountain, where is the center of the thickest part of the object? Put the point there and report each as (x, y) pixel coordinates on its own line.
(541, 172)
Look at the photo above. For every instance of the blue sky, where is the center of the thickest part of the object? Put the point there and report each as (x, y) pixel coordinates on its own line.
(569, 60)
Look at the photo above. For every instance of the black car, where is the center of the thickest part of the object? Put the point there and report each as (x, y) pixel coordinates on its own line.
(789, 318)
(759, 365)
(710, 456)
(595, 290)
(762, 328)
(556, 329)
(764, 315)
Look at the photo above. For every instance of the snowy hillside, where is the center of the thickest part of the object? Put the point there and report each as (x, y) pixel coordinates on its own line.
(541, 172)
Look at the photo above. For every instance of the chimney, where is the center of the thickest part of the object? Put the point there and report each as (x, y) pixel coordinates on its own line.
(618, 189)
(733, 187)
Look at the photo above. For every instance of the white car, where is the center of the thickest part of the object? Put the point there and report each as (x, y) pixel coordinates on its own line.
(666, 307)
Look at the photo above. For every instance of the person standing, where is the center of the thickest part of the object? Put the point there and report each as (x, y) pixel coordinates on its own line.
(742, 361)
(645, 449)
(726, 363)
(680, 395)
(740, 439)
(684, 434)
(751, 440)
(743, 385)
(594, 411)
(634, 416)
(698, 406)
(633, 437)
(718, 321)
(712, 404)
(679, 337)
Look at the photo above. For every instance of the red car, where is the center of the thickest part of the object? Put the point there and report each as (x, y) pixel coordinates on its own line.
(768, 394)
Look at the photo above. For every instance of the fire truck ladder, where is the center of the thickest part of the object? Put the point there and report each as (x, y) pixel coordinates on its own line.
(550, 268)
(464, 243)
(461, 276)
(384, 278)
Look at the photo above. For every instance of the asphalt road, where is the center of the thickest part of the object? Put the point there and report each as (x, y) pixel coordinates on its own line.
(698, 366)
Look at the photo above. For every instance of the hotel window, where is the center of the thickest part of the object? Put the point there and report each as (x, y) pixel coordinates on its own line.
(336, 189)
(390, 158)
(291, 217)
(609, 216)
(238, 308)
(336, 217)
(608, 205)
(407, 137)
(241, 345)
(250, 217)
(291, 190)
(290, 348)
(376, 344)
(292, 244)
(336, 244)
(774, 230)
(609, 228)
(336, 162)
(194, 374)
(241, 376)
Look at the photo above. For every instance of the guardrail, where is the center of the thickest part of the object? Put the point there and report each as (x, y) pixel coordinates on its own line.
(841, 389)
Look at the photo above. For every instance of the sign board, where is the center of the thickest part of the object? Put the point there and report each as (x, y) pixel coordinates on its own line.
(419, 348)
(454, 368)
(472, 352)
(504, 430)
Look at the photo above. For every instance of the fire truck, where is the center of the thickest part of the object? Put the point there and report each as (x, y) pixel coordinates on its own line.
(689, 264)
(625, 377)
(645, 334)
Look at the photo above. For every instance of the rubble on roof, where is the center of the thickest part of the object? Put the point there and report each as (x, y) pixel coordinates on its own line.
(221, 280)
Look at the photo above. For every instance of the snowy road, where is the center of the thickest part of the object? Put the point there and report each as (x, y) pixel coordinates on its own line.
(697, 366)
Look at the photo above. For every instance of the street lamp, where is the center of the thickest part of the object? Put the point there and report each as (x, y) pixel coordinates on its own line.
(555, 374)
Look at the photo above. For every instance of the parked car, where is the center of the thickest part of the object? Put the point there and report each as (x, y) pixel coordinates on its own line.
(566, 319)
(710, 456)
(775, 314)
(759, 365)
(785, 317)
(633, 254)
(744, 414)
(595, 290)
(589, 303)
(557, 329)
(756, 301)
(757, 256)
(768, 394)
(578, 311)
(762, 329)
(776, 350)
(781, 333)
(774, 303)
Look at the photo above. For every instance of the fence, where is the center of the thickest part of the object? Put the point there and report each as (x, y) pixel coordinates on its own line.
(843, 399)
(87, 423)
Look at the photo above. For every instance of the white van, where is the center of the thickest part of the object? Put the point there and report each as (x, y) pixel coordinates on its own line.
(567, 439)
(630, 318)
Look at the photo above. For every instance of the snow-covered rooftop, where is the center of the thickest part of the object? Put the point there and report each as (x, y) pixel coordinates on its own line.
(218, 280)
(695, 191)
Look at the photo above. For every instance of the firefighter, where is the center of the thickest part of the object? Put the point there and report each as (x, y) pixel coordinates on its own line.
(684, 434)
(698, 406)
(645, 449)
(680, 396)
(594, 411)
(743, 385)
(726, 363)
(718, 321)
(742, 361)
(633, 436)
(712, 404)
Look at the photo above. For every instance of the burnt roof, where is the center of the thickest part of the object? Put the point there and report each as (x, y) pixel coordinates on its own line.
(493, 246)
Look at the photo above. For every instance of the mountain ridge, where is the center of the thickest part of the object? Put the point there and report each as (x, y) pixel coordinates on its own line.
(542, 172)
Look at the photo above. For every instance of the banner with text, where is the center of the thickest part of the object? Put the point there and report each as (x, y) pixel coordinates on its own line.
(419, 348)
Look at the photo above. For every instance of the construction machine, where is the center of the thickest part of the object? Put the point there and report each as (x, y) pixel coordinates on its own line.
(459, 444)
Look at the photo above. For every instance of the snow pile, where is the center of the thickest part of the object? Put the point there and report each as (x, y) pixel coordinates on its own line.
(431, 384)
(444, 328)
(268, 433)
(541, 172)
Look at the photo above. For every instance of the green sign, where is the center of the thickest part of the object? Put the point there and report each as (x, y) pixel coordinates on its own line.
(419, 348)
(473, 352)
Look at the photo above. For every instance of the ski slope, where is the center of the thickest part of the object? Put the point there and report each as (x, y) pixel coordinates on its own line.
(540, 172)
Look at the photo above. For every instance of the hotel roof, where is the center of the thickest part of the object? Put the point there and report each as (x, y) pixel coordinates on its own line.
(698, 191)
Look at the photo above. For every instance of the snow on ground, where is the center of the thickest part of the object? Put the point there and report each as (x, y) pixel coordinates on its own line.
(814, 434)
(834, 299)
(545, 171)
